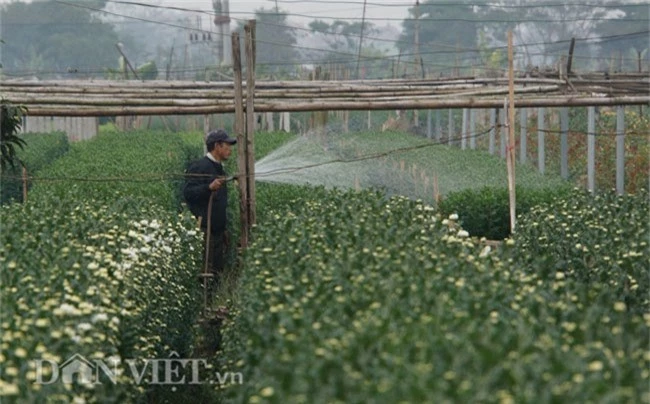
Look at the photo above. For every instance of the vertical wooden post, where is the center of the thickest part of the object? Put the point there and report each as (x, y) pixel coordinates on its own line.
(523, 137)
(429, 125)
(346, 113)
(369, 120)
(620, 150)
(503, 133)
(24, 184)
(270, 124)
(363, 21)
(472, 129)
(640, 68)
(239, 127)
(570, 61)
(591, 148)
(465, 125)
(493, 129)
(286, 121)
(250, 117)
(510, 156)
(438, 125)
(436, 189)
(450, 127)
(564, 142)
(541, 129)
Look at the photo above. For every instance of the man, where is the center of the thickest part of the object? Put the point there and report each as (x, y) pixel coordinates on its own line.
(205, 187)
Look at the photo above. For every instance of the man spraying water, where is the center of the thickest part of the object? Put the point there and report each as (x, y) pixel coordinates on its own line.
(206, 194)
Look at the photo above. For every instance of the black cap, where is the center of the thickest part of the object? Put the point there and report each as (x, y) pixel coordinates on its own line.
(218, 136)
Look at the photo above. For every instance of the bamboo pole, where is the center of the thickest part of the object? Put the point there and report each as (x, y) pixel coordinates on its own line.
(523, 137)
(564, 143)
(240, 130)
(585, 78)
(620, 150)
(493, 128)
(250, 118)
(226, 98)
(511, 135)
(541, 141)
(318, 105)
(591, 148)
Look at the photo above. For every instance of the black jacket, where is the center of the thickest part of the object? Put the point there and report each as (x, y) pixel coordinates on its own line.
(197, 194)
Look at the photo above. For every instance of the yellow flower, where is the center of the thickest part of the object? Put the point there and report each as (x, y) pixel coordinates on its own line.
(267, 392)
(596, 366)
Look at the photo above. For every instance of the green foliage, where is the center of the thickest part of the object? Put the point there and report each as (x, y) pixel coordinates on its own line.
(635, 19)
(486, 212)
(412, 171)
(445, 30)
(148, 71)
(266, 142)
(274, 28)
(48, 36)
(637, 148)
(40, 151)
(144, 166)
(357, 298)
(601, 241)
(10, 122)
(103, 281)
(99, 263)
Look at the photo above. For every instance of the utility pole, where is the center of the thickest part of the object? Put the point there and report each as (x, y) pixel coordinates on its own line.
(363, 22)
(417, 37)
(222, 21)
(416, 120)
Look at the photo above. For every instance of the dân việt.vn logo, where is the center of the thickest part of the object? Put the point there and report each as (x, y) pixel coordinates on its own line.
(169, 371)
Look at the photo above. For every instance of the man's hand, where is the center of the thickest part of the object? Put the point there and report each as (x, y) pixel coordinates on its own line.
(216, 184)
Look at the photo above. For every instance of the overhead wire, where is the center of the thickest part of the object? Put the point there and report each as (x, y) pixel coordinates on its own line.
(167, 177)
(178, 176)
(311, 48)
(335, 52)
(474, 4)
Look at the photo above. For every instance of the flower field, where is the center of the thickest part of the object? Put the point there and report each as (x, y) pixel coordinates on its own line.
(353, 297)
(104, 268)
(39, 151)
(343, 296)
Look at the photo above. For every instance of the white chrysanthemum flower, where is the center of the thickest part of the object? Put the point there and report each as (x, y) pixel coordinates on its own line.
(84, 327)
(485, 251)
(99, 317)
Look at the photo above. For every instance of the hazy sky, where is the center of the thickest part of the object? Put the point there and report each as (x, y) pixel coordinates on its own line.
(379, 12)
(313, 9)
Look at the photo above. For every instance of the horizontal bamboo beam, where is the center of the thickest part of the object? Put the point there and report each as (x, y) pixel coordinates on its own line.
(368, 85)
(178, 99)
(550, 101)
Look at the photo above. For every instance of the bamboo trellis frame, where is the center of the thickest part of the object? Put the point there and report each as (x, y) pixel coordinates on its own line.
(112, 98)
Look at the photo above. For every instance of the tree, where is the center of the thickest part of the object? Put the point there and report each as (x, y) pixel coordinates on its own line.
(542, 32)
(341, 35)
(10, 123)
(343, 38)
(45, 37)
(628, 47)
(275, 42)
(447, 34)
